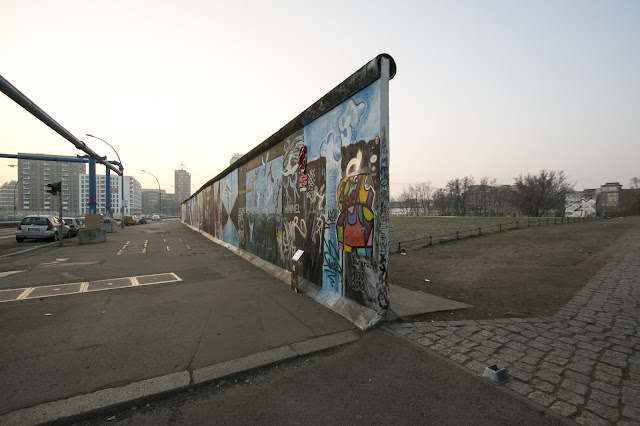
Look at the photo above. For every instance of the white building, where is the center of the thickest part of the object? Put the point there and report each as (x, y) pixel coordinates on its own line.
(132, 196)
(580, 204)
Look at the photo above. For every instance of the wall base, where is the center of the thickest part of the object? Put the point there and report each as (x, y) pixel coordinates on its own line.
(92, 236)
(109, 227)
(361, 316)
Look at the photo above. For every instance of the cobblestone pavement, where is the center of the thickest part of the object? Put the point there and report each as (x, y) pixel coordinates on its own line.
(583, 363)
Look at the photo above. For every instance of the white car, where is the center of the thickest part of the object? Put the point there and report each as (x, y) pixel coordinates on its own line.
(155, 217)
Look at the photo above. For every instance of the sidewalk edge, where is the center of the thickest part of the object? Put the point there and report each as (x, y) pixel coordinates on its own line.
(83, 406)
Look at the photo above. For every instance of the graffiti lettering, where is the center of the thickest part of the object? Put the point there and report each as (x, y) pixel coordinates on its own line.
(291, 208)
(241, 214)
(332, 267)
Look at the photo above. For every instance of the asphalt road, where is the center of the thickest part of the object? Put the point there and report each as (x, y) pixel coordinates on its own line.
(127, 326)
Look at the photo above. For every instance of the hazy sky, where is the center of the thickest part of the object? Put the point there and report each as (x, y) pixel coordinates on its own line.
(483, 88)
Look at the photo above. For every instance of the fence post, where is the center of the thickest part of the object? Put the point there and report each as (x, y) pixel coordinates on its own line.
(499, 227)
(399, 247)
(479, 230)
(538, 222)
(456, 235)
(430, 241)
(516, 224)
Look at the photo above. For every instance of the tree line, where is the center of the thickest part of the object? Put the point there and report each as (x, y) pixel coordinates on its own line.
(532, 195)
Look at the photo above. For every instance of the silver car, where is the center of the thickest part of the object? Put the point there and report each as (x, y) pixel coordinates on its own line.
(41, 226)
(74, 224)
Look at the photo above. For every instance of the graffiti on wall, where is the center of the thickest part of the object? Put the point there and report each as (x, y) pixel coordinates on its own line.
(355, 222)
(229, 196)
(319, 190)
(263, 201)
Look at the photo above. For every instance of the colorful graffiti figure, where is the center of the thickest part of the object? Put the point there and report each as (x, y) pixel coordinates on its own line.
(355, 222)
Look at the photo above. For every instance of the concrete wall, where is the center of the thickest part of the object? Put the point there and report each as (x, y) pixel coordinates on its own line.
(320, 184)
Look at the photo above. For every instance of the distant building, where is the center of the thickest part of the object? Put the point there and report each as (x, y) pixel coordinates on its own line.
(235, 157)
(33, 177)
(609, 200)
(612, 200)
(6, 198)
(581, 204)
(132, 196)
(151, 200)
(182, 184)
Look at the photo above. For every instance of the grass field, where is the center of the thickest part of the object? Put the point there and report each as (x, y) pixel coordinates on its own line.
(440, 228)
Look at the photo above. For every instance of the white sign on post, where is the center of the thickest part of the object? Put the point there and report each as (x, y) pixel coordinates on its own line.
(298, 255)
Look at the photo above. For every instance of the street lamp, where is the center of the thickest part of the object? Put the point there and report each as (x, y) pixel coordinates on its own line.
(121, 180)
(159, 190)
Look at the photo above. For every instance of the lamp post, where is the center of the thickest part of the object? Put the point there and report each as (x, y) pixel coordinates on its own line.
(159, 191)
(121, 180)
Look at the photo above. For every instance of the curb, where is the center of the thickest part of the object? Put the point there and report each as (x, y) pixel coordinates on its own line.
(91, 403)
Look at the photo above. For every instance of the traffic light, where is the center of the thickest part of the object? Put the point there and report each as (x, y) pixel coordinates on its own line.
(54, 188)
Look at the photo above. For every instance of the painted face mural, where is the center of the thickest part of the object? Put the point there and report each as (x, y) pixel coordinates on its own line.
(355, 222)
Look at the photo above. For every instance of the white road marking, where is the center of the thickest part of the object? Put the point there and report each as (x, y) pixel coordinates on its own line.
(84, 287)
(27, 250)
(6, 274)
(25, 293)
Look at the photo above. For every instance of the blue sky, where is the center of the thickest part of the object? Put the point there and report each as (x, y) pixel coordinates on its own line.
(492, 88)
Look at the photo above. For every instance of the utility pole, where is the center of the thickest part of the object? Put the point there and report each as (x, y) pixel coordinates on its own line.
(55, 188)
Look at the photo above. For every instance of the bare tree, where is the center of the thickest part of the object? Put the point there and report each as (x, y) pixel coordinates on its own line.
(442, 201)
(408, 202)
(536, 194)
(458, 190)
(634, 182)
(421, 192)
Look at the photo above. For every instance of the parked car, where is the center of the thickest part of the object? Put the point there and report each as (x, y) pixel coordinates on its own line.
(74, 225)
(142, 220)
(129, 220)
(155, 217)
(42, 227)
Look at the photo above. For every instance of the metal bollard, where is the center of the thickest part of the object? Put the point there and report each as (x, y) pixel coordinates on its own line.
(294, 270)
(294, 275)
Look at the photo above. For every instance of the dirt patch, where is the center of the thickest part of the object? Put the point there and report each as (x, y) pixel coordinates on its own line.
(525, 273)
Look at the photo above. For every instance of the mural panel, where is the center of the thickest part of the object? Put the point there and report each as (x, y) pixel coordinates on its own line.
(229, 197)
(263, 196)
(294, 228)
(216, 210)
(334, 137)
